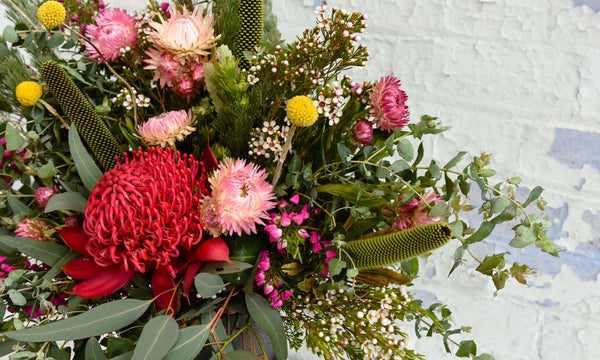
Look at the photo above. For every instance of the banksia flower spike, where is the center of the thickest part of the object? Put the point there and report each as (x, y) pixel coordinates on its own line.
(94, 132)
(382, 250)
(250, 15)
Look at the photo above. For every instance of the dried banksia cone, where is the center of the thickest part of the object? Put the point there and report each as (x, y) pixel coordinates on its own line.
(93, 131)
(250, 15)
(382, 250)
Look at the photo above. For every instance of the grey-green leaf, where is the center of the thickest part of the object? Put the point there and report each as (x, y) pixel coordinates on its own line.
(73, 201)
(190, 343)
(97, 321)
(9, 34)
(158, 337)
(14, 140)
(270, 321)
(47, 252)
(17, 206)
(208, 284)
(223, 267)
(16, 297)
(406, 150)
(93, 351)
(241, 355)
(87, 169)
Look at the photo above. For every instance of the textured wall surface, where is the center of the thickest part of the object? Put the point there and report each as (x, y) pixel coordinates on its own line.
(519, 79)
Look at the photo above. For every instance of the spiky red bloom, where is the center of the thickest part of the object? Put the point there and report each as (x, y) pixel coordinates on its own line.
(145, 211)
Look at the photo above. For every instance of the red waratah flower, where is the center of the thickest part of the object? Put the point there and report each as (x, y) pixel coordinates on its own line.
(142, 216)
(388, 104)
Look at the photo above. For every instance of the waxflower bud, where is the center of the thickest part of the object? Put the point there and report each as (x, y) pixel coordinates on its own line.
(363, 132)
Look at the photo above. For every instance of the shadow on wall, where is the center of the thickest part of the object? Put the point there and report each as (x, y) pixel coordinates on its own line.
(594, 4)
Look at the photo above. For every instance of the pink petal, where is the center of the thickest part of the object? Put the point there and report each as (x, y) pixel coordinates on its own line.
(75, 238)
(163, 288)
(105, 283)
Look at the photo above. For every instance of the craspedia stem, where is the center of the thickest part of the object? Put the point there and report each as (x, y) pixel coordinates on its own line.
(93, 131)
(387, 249)
(250, 15)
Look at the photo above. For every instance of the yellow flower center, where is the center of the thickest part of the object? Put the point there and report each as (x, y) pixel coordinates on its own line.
(51, 14)
(28, 92)
(301, 111)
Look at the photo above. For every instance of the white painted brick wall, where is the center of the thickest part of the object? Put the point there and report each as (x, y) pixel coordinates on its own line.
(520, 79)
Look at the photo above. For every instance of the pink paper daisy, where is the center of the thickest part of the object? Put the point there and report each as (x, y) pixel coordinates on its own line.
(388, 104)
(115, 32)
(167, 128)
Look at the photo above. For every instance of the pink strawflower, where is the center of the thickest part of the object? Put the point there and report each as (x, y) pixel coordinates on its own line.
(363, 132)
(167, 128)
(240, 198)
(188, 36)
(115, 33)
(415, 213)
(43, 195)
(388, 104)
(33, 229)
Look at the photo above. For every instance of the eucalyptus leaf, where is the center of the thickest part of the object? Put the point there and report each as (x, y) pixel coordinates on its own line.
(14, 140)
(46, 252)
(9, 34)
(223, 267)
(485, 229)
(93, 351)
(524, 235)
(87, 169)
(157, 338)
(56, 40)
(240, 355)
(270, 321)
(17, 206)
(190, 343)
(100, 320)
(406, 150)
(73, 201)
(16, 297)
(208, 284)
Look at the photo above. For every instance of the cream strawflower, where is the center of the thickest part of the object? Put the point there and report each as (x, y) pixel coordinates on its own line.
(188, 36)
(167, 128)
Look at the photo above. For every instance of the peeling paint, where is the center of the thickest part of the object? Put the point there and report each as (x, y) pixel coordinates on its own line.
(593, 4)
(576, 148)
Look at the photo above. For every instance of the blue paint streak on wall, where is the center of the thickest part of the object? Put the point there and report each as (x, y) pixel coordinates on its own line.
(548, 303)
(576, 148)
(580, 185)
(594, 4)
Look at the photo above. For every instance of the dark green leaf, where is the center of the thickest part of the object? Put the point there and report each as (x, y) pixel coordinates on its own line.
(14, 140)
(499, 204)
(466, 349)
(485, 229)
(6, 346)
(222, 268)
(190, 343)
(491, 263)
(439, 209)
(499, 279)
(97, 321)
(458, 257)
(16, 205)
(9, 34)
(119, 347)
(533, 195)
(87, 169)
(270, 321)
(508, 214)
(546, 245)
(406, 150)
(208, 284)
(389, 145)
(455, 160)
(241, 355)
(486, 172)
(4, 52)
(399, 165)
(73, 201)
(434, 170)
(46, 171)
(420, 153)
(524, 235)
(157, 338)
(93, 351)
(46, 252)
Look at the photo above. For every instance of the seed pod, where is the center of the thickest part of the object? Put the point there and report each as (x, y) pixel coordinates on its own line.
(92, 129)
(387, 249)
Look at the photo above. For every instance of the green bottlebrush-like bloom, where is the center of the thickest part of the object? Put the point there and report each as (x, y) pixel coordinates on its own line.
(394, 247)
(250, 32)
(94, 132)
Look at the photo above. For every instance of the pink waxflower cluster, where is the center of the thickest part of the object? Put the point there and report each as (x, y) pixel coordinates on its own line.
(10, 161)
(239, 199)
(415, 213)
(114, 34)
(270, 285)
(289, 226)
(181, 44)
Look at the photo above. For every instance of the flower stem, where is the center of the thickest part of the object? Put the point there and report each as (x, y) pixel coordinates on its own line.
(286, 148)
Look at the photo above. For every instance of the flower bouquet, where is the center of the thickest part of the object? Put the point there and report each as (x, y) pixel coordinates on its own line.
(181, 183)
